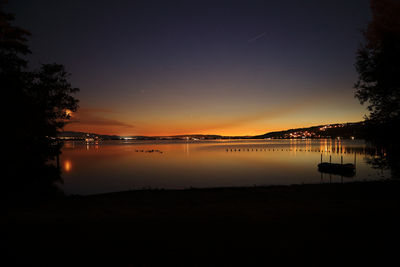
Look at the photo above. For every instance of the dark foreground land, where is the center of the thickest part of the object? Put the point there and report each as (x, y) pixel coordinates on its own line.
(321, 224)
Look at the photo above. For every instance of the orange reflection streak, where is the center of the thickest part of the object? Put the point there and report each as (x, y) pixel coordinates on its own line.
(324, 146)
(67, 165)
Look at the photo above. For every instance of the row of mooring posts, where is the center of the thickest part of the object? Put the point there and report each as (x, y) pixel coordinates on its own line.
(286, 149)
(265, 149)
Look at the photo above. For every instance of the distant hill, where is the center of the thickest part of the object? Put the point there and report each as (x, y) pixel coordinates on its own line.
(82, 136)
(342, 130)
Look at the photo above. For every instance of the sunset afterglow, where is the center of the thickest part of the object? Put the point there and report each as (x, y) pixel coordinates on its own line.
(231, 70)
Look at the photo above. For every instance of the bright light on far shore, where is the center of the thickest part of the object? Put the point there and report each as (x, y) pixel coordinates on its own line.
(68, 113)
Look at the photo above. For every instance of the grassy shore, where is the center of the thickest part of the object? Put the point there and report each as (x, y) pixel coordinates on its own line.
(212, 227)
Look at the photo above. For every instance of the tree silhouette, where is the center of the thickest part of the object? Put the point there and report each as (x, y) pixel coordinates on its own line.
(378, 64)
(378, 67)
(37, 104)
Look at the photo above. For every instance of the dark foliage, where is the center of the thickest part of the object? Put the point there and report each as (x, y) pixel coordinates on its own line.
(36, 105)
(378, 67)
(378, 64)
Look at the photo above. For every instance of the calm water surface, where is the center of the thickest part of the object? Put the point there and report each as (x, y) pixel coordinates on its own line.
(125, 165)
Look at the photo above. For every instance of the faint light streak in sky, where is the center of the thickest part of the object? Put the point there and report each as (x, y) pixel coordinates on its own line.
(257, 37)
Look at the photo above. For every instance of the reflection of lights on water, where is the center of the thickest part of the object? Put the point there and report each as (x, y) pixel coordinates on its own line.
(187, 149)
(335, 146)
(67, 165)
(70, 144)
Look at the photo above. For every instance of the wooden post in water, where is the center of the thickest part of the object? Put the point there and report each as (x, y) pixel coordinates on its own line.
(321, 158)
(341, 160)
(330, 158)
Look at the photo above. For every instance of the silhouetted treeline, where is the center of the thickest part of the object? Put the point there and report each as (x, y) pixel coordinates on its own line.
(378, 85)
(36, 105)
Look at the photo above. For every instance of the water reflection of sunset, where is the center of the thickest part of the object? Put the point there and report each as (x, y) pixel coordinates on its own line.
(115, 166)
(67, 165)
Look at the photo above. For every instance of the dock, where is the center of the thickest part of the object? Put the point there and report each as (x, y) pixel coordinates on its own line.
(346, 170)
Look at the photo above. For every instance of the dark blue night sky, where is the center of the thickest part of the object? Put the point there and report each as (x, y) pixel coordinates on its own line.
(223, 67)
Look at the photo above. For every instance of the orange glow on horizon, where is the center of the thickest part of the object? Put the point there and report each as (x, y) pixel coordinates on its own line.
(159, 131)
(249, 120)
(177, 130)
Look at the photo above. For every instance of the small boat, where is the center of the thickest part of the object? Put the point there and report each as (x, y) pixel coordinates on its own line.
(347, 169)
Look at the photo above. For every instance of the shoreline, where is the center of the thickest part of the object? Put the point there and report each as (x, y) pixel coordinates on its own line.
(236, 188)
(227, 226)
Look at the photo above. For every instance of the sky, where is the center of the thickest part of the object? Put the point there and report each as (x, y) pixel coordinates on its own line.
(201, 67)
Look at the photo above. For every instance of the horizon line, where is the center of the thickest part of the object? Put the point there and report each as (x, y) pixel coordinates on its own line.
(173, 135)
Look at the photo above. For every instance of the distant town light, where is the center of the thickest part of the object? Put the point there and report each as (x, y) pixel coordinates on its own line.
(68, 113)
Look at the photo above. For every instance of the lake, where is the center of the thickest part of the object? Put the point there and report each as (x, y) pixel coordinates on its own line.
(110, 166)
